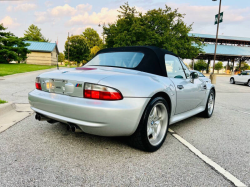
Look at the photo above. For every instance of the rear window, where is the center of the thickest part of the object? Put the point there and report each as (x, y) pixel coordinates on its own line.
(117, 59)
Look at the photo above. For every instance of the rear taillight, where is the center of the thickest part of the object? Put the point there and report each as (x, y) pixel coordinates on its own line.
(95, 91)
(38, 84)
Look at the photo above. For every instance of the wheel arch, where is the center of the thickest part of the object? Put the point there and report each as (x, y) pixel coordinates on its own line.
(166, 97)
(214, 91)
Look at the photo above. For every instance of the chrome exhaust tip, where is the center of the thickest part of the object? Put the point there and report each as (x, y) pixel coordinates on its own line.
(40, 118)
(73, 128)
(69, 127)
(76, 129)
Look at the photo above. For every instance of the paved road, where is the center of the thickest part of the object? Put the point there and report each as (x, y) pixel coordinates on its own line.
(16, 87)
(40, 154)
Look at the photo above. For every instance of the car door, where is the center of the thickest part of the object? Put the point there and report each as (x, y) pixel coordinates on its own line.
(188, 95)
(243, 77)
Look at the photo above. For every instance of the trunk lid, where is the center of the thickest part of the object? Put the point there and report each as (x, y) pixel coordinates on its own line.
(71, 81)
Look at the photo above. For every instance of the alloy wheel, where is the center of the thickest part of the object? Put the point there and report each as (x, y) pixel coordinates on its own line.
(157, 124)
(210, 105)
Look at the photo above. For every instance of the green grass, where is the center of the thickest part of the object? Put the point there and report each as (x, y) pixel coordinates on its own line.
(10, 69)
(2, 101)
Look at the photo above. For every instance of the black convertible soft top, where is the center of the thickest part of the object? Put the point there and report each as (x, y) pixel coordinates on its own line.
(152, 62)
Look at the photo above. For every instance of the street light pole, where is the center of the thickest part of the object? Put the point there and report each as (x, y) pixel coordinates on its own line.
(218, 24)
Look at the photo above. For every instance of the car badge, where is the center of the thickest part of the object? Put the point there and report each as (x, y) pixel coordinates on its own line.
(79, 85)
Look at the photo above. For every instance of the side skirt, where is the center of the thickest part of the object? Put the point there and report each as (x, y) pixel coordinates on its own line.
(182, 116)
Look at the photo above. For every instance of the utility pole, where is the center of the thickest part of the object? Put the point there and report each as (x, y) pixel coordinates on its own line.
(218, 24)
(212, 75)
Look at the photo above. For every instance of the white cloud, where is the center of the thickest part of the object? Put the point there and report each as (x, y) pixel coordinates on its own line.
(60, 11)
(84, 8)
(41, 17)
(25, 7)
(106, 15)
(65, 10)
(48, 3)
(9, 22)
(77, 31)
(9, 8)
(205, 15)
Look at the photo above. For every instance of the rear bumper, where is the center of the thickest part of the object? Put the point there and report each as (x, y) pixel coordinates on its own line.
(104, 118)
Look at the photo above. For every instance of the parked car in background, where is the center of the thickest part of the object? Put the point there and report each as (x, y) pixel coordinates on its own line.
(242, 78)
(201, 76)
(129, 91)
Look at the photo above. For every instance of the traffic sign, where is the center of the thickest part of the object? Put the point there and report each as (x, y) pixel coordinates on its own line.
(216, 18)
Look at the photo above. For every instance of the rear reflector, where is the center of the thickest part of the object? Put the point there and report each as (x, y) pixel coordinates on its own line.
(94, 91)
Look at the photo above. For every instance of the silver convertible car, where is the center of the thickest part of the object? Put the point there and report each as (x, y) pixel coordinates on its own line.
(129, 91)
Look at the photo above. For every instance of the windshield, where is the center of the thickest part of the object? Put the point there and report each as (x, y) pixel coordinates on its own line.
(117, 59)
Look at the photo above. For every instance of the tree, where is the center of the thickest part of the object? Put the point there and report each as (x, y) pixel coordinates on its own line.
(244, 66)
(34, 34)
(163, 28)
(200, 65)
(61, 57)
(78, 49)
(21, 50)
(92, 37)
(218, 66)
(93, 51)
(12, 48)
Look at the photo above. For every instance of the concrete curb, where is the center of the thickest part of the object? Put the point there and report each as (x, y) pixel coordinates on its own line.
(11, 113)
(6, 107)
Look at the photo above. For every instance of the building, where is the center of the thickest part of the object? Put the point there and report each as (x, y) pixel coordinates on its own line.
(42, 53)
(230, 48)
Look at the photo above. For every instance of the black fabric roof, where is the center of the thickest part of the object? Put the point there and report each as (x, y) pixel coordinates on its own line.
(152, 62)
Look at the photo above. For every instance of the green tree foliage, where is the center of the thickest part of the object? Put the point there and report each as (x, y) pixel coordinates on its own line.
(93, 51)
(92, 37)
(78, 49)
(163, 28)
(244, 66)
(12, 48)
(200, 65)
(61, 57)
(218, 66)
(34, 34)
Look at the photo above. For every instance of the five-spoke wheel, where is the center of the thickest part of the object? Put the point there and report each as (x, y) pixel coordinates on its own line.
(157, 123)
(153, 127)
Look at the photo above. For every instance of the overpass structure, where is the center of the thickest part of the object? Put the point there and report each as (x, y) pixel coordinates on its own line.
(229, 48)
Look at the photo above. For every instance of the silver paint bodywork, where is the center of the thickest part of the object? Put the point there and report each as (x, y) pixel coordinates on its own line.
(65, 103)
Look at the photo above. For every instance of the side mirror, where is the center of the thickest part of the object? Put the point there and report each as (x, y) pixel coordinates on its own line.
(194, 75)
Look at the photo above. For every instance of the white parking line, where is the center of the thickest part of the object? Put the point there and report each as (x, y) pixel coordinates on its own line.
(207, 160)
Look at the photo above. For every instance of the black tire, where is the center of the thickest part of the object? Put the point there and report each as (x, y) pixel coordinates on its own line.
(248, 83)
(140, 139)
(206, 112)
(232, 81)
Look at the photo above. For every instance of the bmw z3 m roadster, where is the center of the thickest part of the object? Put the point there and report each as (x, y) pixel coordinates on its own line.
(128, 91)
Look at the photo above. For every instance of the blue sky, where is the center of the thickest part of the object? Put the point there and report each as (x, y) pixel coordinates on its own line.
(58, 17)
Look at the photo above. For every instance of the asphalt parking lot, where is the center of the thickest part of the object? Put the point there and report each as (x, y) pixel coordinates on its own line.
(36, 153)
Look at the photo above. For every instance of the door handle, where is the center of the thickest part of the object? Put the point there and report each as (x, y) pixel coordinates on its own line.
(180, 87)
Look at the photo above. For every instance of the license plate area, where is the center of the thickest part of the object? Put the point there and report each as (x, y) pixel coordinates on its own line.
(58, 86)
